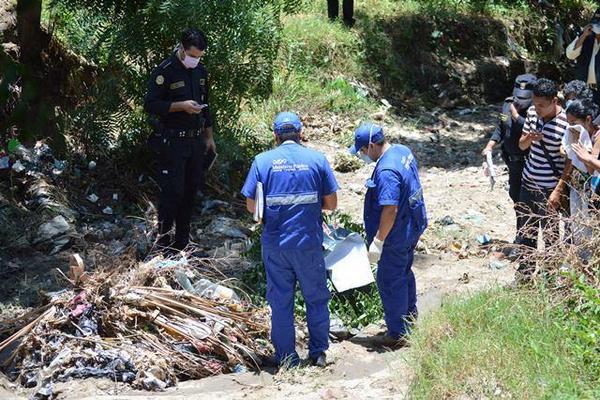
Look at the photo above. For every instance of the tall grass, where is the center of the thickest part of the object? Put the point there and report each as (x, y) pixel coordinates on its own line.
(499, 343)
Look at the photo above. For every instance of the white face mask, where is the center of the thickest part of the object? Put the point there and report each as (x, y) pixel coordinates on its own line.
(596, 28)
(365, 158)
(189, 61)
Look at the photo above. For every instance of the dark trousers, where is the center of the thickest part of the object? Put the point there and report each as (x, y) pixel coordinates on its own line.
(180, 172)
(397, 289)
(532, 211)
(284, 268)
(348, 9)
(515, 174)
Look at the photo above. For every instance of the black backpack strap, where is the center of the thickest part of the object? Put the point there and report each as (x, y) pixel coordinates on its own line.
(550, 159)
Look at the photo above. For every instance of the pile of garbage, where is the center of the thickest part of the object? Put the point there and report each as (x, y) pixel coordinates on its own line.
(36, 162)
(35, 173)
(148, 324)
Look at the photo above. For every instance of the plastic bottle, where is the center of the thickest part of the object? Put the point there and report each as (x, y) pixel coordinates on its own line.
(211, 290)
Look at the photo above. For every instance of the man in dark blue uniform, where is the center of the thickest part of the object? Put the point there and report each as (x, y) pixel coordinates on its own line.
(178, 98)
(395, 217)
(297, 184)
(508, 132)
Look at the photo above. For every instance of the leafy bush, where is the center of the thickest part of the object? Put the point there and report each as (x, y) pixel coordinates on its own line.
(127, 39)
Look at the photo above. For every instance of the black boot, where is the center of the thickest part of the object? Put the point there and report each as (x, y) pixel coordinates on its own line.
(319, 360)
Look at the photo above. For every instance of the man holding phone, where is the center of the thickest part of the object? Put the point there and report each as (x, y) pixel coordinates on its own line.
(545, 175)
(178, 97)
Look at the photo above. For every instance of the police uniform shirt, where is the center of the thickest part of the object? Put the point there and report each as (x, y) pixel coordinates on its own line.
(395, 182)
(295, 180)
(508, 131)
(172, 82)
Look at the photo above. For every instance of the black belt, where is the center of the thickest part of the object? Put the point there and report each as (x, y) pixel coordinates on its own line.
(514, 157)
(183, 133)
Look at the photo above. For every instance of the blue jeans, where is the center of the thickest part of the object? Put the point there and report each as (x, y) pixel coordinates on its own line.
(284, 268)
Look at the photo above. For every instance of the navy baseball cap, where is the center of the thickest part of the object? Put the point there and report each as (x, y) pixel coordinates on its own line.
(366, 133)
(286, 122)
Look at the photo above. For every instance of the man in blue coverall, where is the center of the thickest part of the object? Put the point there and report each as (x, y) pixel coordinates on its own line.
(298, 183)
(395, 218)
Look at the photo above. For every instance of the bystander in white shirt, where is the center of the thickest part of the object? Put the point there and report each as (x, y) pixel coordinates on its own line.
(578, 200)
(573, 53)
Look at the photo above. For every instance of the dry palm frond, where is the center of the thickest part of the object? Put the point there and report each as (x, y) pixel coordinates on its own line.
(119, 324)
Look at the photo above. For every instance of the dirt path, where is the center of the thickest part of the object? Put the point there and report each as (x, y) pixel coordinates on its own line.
(449, 262)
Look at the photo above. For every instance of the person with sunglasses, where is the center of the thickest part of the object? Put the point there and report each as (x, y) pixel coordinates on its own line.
(394, 218)
(177, 100)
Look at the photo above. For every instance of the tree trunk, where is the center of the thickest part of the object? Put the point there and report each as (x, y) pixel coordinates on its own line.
(29, 30)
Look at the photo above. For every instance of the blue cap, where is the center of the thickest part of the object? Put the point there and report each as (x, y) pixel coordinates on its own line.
(366, 133)
(286, 122)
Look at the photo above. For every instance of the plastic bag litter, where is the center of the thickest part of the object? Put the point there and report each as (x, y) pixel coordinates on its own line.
(346, 259)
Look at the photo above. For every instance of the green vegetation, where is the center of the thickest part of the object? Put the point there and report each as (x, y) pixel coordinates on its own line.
(506, 342)
(582, 323)
(121, 43)
(266, 56)
(397, 50)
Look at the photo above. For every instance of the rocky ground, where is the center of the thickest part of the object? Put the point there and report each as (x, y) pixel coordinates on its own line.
(450, 260)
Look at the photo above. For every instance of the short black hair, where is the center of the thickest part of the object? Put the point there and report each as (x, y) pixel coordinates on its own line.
(545, 88)
(578, 89)
(289, 135)
(193, 37)
(583, 108)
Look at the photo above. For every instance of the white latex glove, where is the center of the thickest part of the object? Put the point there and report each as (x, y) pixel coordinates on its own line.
(375, 250)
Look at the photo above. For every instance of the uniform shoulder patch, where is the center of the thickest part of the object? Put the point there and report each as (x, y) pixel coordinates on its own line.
(160, 79)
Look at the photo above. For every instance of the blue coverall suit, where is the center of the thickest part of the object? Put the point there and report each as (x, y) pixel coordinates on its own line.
(295, 180)
(395, 182)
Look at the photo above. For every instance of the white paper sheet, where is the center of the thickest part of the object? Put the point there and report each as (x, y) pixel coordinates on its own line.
(492, 169)
(259, 203)
(348, 264)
